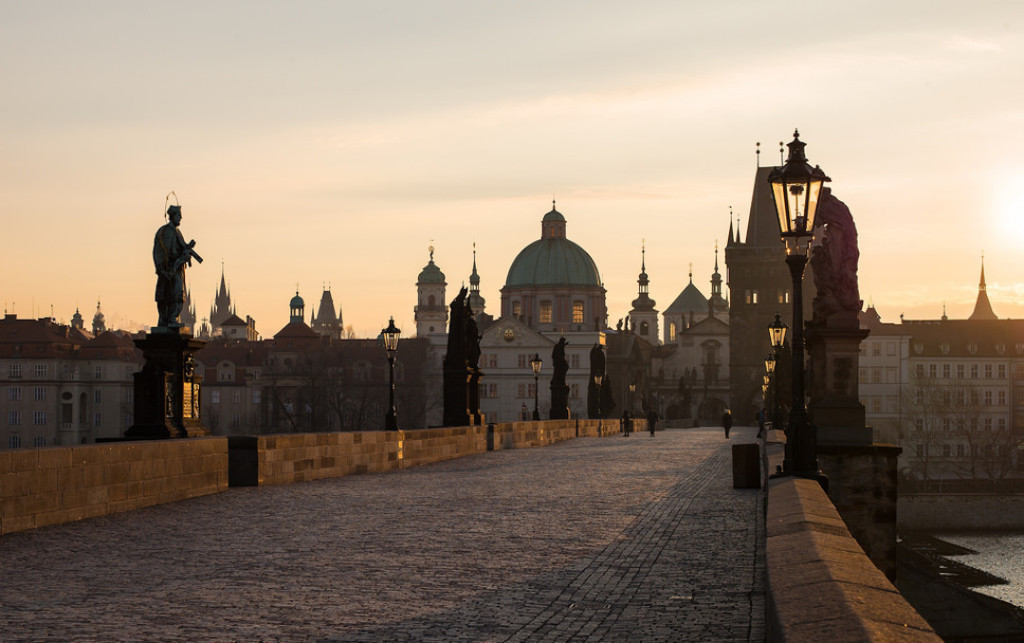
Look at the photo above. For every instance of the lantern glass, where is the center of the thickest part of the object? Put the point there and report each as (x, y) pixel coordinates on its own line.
(535, 364)
(391, 335)
(777, 331)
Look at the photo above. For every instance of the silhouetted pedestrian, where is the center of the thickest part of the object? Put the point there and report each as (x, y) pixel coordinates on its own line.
(625, 423)
(727, 421)
(760, 422)
(652, 421)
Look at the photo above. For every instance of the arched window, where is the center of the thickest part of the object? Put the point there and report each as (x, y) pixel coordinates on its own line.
(644, 329)
(431, 301)
(577, 312)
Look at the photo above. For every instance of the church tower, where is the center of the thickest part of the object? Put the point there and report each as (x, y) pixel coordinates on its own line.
(77, 321)
(982, 307)
(326, 323)
(476, 300)
(297, 308)
(759, 286)
(644, 316)
(99, 323)
(188, 312)
(431, 310)
(221, 308)
(718, 306)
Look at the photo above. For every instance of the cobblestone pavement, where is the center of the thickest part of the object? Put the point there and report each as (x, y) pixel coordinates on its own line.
(639, 539)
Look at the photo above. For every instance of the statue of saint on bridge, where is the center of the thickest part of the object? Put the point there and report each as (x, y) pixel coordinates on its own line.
(170, 256)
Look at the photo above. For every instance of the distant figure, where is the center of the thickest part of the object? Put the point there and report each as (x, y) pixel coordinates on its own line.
(526, 413)
(625, 423)
(652, 421)
(170, 256)
(727, 422)
(760, 422)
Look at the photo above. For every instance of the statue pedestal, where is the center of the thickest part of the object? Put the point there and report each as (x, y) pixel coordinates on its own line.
(167, 388)
(835, 408)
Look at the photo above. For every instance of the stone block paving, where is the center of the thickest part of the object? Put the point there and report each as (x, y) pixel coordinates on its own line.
(613, 539)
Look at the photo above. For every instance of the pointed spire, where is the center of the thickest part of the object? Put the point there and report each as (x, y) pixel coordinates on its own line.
(730, 242)
(982, 307)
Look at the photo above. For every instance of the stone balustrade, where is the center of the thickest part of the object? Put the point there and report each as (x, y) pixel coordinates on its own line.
(52, 485)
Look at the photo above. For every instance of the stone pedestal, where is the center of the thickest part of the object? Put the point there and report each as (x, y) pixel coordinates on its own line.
(167, 388)
(834, 355)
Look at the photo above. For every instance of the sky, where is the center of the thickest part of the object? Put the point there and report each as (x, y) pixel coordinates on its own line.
(330, 144)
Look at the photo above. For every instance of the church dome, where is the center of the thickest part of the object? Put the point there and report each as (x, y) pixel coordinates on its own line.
(553, 260)
(431, 274)
(297, 302)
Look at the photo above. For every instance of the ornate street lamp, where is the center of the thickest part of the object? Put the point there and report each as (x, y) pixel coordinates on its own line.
(390, 335)
(597, 380)
(535, 364)
(777, 334)
(632, 396)
(796, 189)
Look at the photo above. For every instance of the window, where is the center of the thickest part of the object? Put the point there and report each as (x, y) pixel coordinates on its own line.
(517, 309)
(39, 393)
(236, 397)
(98, 374)
(988, 424)
(945, 424)
(574, 391)
(14, 393)
(876, 375)
(932, 371)
(39, 442)
(753, 296)
(97, 420)
(919, 424)
(14, 442)
(1001, 423)
(545, 312)
(255, 397)
(1002, 398)
(783, 297)
(577, 312)
(671, 331)
(215, 397)
(14, 418)
(947, 450)
(960, 371)
(39, 418)
(521, 390)
(876, 405)
(574, 361)
(644, 329)
(524, 360)
(1002, 371)
(974, 371)
(876, 350)
(988, 371)
(946, 371)
(960, 451)
(97, 396)
(988, 398)
(919, 370)
(41, 370)
(15, 370)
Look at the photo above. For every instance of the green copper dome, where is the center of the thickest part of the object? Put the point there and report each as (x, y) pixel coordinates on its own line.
(553, 260)
(431, 274)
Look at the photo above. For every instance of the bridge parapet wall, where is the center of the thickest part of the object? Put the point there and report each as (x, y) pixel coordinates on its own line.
(52, 485)
(821, 584)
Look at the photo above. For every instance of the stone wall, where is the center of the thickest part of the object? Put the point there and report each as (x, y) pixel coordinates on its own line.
(862, 487)
(821, 585)
(47, 486)
(962, 511)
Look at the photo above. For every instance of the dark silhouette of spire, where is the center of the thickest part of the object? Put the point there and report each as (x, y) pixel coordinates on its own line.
(982, 307)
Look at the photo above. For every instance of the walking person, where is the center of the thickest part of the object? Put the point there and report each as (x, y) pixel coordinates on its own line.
(652, 421)
(727, 422)
(625, 423)
(760, 422)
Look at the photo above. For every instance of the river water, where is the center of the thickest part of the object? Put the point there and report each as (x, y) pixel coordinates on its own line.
(999, 554)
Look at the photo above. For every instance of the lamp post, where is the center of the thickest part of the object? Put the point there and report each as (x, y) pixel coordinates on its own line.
(597, 380)
(391, 334)
(535, 364)
(772, 393)
(796, 189)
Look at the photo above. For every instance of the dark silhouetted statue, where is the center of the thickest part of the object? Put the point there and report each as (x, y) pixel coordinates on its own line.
(834, 261)
(559, 389)
(461, 370)
(170, 256)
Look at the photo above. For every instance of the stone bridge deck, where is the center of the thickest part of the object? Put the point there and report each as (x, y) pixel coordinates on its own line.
(612, 539)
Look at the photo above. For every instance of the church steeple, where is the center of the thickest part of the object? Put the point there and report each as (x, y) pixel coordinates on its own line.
(476, 300)
(982, 307)
(644, 317)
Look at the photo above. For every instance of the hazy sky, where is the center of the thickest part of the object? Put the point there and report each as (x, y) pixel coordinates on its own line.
(333, 142)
